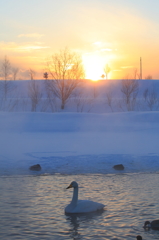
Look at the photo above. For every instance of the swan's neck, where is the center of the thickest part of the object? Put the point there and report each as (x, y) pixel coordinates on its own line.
(75, 196)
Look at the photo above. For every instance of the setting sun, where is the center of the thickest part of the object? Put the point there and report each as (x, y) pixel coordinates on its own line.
(94, 64)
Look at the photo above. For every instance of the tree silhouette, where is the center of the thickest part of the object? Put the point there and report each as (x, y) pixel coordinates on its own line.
(106, 70)
(67, 72)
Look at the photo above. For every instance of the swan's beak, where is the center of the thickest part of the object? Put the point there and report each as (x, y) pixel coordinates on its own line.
(70, 186)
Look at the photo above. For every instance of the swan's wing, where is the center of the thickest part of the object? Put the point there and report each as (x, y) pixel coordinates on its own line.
(84, 206)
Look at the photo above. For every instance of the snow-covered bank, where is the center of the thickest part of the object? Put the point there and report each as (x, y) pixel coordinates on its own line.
(74, 143)
(91, 96)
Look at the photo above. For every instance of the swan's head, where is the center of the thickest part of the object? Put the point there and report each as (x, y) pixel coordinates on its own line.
(139, 237)
(147, 224)
(73, 185)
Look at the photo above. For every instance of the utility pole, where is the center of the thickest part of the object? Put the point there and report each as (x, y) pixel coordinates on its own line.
(140, 68)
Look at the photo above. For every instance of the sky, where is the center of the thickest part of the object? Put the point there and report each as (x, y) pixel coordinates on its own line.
(113, 32)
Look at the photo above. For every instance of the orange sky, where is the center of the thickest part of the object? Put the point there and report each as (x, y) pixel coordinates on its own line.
(116, 33)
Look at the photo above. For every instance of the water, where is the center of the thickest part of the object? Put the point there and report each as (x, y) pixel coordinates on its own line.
(32, 207)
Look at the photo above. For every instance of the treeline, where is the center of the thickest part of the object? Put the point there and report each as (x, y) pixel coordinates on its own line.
(67, 90)
(87, 96)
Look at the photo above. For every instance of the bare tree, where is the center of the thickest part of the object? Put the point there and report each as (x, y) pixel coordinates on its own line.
(150, 97)
(32, 73)
(95, 92)
(148, 77)
(79, 99)
(136, 74)
(6, 68)
(129, 90)
(82, 101)
(67, 72)
(145, 94)
(109, 98)
(15, 72)
(34, 93)
(106, 70)
(51, 99)
(6, 85)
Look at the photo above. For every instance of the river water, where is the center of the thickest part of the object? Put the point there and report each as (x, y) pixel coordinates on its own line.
(32, 207)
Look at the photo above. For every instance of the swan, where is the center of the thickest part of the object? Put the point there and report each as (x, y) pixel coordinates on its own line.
(139, 237)
(81, 206)
(154, 225)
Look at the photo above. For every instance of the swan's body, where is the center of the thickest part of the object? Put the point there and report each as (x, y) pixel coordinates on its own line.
(81, 206)
(154, 225)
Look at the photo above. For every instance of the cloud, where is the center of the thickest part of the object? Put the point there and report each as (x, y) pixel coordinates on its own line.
(30, 47)
(125, 67)
(106, 49)
(31, 35)
(25, 47)
(97, 43)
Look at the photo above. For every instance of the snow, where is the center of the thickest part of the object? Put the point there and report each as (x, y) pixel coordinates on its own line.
(85, 137)
(90, 96)
(79, 143)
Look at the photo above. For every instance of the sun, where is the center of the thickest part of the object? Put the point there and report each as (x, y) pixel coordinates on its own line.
(94, 64)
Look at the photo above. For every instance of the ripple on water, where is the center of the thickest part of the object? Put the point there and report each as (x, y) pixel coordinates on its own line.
(32, 207)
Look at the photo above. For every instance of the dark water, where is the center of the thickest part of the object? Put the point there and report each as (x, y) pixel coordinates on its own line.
(32, 207)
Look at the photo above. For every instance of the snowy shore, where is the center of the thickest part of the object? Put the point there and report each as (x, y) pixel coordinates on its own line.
(79, 143)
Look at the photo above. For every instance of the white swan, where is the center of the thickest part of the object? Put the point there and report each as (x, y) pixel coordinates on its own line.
(81, 206)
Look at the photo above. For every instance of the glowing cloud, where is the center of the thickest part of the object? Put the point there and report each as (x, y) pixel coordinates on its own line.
(30, 47)
(97, 43)
(31, 35)
(125, 67)
(12, 46)
(106, 50)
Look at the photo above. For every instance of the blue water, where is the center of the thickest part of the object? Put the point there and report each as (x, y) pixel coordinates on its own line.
(32, 207)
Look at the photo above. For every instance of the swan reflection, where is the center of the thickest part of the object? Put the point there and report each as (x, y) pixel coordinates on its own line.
(76, 220)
